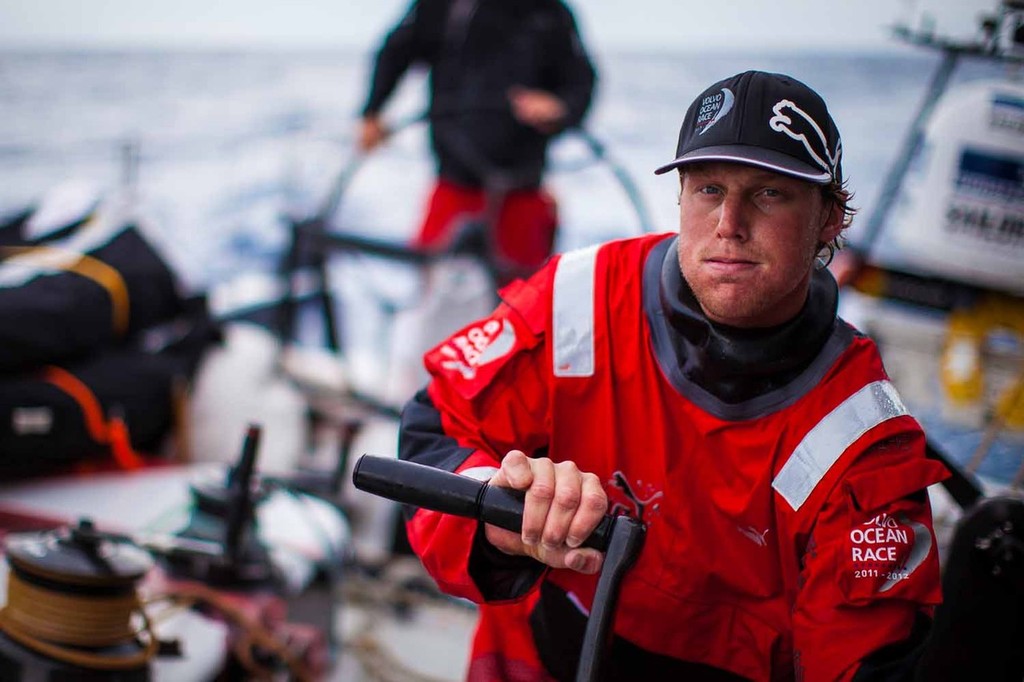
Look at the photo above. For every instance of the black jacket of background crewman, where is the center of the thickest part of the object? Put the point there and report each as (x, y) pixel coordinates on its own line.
(476, 50)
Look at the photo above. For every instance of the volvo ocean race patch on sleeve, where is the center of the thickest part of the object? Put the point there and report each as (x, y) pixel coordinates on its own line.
(886, 550)
(889, 549)
(470, 359)
(891, 555)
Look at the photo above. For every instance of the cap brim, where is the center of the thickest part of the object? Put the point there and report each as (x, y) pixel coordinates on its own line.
(768, 159)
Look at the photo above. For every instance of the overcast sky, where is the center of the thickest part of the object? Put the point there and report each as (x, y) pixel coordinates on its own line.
(606, 24)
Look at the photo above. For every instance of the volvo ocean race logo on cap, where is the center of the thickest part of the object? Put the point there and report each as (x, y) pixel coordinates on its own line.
(713, 108)
(804, 129)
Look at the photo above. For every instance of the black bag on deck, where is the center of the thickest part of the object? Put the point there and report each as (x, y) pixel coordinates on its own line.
(96, 344)
(117, 402)
(57, 415)
(65, 300)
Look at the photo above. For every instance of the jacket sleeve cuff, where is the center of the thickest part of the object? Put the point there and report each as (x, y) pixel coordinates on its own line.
(500, 576)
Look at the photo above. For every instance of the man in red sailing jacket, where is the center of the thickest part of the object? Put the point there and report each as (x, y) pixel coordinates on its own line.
(702, 383)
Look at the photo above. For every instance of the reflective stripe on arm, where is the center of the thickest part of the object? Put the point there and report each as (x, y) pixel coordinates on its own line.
(483, 474)
(573, 313)
(828, 440)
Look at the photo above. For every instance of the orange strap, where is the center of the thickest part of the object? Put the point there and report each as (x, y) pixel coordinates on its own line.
(121, 445)
(113, 432)
(92, 411)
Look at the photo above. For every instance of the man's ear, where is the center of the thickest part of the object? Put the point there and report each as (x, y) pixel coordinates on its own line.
(833, 222)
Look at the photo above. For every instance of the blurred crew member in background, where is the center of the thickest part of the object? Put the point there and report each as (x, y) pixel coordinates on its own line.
(505, 76)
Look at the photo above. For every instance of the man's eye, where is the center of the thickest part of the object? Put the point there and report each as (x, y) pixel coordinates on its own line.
(708, 189)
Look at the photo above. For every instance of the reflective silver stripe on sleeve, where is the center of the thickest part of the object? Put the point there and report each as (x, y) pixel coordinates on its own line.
(827, 441)
(573, 313)
(479, 473)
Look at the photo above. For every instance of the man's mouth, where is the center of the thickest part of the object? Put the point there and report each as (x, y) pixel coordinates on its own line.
(729, 265)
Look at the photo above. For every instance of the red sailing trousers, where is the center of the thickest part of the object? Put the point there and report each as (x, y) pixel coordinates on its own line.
(525, 227)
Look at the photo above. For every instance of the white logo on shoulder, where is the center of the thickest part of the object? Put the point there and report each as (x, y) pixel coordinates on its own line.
(478, 346)
(816, 145)
(713, 109)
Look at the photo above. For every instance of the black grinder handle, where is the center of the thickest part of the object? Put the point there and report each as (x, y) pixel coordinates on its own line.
(448, 493)
(620, 537)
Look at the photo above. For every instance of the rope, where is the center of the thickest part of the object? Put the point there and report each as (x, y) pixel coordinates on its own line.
(252, 634)
(379, 598)
(381, 666)
(49, 622)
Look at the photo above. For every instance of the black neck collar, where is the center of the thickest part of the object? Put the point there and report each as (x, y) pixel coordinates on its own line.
(736, 364)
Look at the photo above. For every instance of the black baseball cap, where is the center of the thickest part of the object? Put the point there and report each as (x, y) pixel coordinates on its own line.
(762, 119)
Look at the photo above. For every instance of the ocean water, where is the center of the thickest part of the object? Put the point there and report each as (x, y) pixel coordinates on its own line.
(230, 142)
(231, 145)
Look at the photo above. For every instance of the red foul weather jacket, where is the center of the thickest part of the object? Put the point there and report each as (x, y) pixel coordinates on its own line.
(780, 476)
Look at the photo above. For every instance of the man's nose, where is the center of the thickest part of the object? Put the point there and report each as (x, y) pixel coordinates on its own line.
(732, 219)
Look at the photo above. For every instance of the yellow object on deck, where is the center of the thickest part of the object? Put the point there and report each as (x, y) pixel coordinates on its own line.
(971, 333)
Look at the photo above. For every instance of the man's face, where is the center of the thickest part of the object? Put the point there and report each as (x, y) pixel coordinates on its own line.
(747, 241)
